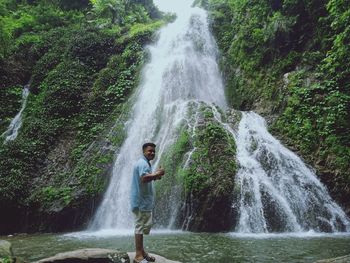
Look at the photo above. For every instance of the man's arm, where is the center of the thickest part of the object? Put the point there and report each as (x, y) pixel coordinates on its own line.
(153, 176)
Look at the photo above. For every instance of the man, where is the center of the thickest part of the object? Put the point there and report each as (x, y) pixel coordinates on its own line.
(142, 199)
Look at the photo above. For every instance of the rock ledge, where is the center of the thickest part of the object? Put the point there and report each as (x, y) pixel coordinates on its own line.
(343, 259)
(97, 255)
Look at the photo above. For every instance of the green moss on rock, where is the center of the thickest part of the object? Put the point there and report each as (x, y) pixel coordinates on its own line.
(209, 178)
(202, 161)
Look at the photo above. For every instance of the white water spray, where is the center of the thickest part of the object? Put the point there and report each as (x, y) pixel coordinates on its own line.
(275, 190)
(12, 131)
(183, 68)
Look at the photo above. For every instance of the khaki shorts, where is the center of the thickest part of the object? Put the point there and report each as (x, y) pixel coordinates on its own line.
(143, 222)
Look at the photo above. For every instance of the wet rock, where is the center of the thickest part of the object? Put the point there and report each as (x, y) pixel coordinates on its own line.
(6, 254)
(98, 255)
(89, 255)
(343, 259)
(159, 259)
(18, 260)
(5, 249)
(209, 176)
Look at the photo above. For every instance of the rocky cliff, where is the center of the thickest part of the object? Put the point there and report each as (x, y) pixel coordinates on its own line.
(288, 60)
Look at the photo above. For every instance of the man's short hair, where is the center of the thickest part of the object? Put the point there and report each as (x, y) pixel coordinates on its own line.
(148, 144)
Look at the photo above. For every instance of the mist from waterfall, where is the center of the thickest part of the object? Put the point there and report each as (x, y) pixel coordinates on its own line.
(182, 69)
(12, 131)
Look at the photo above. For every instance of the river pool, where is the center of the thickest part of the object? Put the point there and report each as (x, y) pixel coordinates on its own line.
(193, 247)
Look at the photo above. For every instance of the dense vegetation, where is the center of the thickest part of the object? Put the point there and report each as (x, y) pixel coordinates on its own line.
(82, 61)
(290, 60)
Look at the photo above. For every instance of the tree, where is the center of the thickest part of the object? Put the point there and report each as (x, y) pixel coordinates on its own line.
(115, 9)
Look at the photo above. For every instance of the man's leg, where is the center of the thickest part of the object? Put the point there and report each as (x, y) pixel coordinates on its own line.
(148, 222)
(138, 236)
(139, 247)
(143, 224)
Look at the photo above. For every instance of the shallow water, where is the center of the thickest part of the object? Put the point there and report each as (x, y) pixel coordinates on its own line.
(191, 248)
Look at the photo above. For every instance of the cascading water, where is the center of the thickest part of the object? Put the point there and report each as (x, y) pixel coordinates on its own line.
(12, 131)
(275, 191)
(182, 69)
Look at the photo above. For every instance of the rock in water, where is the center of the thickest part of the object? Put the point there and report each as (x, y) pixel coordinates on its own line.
(344, 259)
(97, 255)
(5, 249)
(89, 255)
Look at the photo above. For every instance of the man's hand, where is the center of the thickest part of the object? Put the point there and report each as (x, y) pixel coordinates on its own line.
(159, 173)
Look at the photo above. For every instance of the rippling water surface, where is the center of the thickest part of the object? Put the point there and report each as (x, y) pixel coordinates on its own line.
(191, 248)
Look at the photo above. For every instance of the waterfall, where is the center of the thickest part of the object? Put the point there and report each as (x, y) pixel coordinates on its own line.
(182, 69)
(275, 191)
(12, 131)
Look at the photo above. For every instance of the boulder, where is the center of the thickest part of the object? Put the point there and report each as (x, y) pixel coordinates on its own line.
(343, 259)
(97, 255)
(89, 255)
(5, 249)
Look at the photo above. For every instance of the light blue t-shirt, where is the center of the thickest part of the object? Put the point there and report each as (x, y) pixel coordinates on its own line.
(142, 194)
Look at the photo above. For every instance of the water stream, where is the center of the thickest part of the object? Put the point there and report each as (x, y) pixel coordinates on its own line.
(194, 247)
(12, 131)
(275, 191)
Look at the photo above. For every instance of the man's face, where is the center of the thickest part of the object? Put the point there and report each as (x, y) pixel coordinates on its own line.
(149, 152)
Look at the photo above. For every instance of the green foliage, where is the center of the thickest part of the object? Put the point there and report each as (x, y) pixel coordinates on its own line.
(115, 9)
(336, 63)
(5, 39)
(144, 29)
(140, 33)
(12, 98)
(14, 179)
(74, 4)
(200, 166)
(172, 162)
(88, 46)
(24, 24)
(67, 82)
(6, 259)
(50, 194)
(83, 66)
(316, 118)
(317, 114)
(212, 165)
(260, 42)
(124, 12)
(91, 48)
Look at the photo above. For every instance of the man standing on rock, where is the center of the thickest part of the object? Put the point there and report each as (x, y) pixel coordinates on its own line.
(142, 199)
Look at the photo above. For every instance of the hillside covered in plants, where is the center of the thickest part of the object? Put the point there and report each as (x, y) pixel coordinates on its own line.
(82, 61)
(289, 61)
